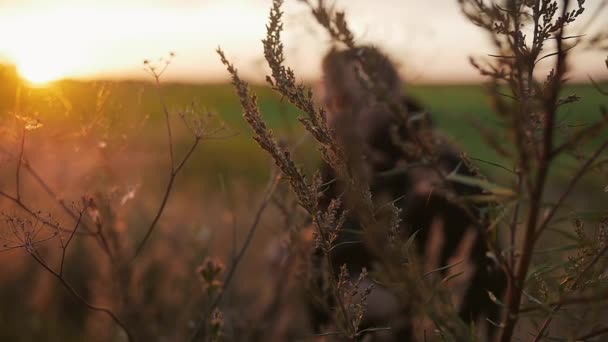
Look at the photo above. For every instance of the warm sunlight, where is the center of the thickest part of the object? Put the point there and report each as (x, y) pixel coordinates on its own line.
(111, 40)
(47, 46)
(54, 39)
(284, 170)
(39, 72)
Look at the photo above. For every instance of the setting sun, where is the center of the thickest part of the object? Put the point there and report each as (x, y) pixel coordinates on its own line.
(280, 170)
(47, 47)
(58, 39)
(39, 73)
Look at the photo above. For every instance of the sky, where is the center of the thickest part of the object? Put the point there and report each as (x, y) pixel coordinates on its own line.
(50, 39)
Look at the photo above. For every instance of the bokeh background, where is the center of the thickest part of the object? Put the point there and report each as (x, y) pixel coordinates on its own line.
(77, 67)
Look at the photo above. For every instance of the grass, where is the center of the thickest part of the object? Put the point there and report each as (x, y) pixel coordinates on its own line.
(454, 108)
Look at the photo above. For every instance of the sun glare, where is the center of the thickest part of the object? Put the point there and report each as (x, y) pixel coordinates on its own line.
(44, 49)
(91, 41)
(38, 73)
(51, 40)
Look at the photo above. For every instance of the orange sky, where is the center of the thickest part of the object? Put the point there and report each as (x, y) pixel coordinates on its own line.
(49, 39)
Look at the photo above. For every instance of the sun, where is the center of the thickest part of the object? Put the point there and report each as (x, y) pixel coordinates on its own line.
(41, 63)
(43, 56)
(39, 72)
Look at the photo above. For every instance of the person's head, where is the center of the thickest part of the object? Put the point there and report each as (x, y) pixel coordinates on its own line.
(344, 79)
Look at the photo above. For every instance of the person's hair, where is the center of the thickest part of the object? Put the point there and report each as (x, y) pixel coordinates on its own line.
(345, 78)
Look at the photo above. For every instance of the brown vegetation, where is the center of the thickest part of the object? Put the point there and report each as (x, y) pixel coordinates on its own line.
(395, 214)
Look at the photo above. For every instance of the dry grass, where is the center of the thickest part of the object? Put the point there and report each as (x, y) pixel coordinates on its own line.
(103, 240)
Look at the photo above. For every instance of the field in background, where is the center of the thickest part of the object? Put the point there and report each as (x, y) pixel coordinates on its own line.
(115, 110)
(110, 138)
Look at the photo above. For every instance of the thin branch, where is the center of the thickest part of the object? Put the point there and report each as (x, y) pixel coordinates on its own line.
(501, 56)
(580, 136)
(516, 286)
(65, 246)
(98, 234)
(511, 171)
(602, 296)
(167, 118)
(515, 220)
(47, 188)
(19, 160)
(187, 156)
(572, 286)
(35, 215)
(159, 212)
(80, 298)
(592, 334)
(556, 53)
(577, 176)
(174, 170)
(252, 229)
(597, 86)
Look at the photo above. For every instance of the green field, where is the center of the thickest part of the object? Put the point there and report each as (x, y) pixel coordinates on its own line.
(454, 107)
(123, 105)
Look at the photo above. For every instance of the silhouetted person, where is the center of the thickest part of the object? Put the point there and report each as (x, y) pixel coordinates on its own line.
(381, 130)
